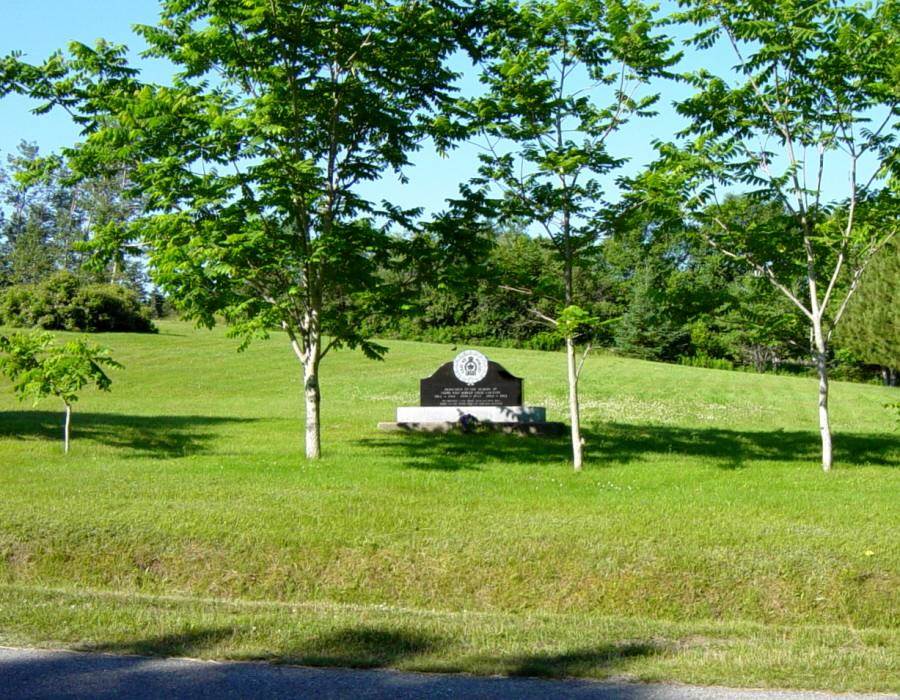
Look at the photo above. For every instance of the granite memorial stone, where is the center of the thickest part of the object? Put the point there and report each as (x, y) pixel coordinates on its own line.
(470, 380)
(471, 390)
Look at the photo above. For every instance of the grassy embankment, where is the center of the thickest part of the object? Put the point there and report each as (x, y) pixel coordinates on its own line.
(702, 543)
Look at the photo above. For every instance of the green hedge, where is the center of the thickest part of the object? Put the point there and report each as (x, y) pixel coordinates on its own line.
(65, 302)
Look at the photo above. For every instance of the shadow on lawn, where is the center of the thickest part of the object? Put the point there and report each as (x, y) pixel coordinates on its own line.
(372, 647)
(619, 443)
(191, 643)
(591, 661)
(353, 647)
(145, 436)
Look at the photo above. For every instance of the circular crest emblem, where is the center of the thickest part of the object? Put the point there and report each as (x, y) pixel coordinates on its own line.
(470, 366)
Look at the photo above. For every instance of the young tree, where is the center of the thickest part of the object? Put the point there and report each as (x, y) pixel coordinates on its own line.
(812, 102)
(251, 161)
(39, 368)
(561, 78)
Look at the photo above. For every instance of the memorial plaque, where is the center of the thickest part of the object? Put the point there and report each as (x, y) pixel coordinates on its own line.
(470, 380)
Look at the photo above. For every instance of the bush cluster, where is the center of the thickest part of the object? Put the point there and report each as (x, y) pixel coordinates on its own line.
(63, 301)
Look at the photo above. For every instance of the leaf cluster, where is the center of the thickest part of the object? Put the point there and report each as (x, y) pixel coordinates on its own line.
(39, 367)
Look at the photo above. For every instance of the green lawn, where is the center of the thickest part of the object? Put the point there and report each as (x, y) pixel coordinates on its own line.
(702, 543)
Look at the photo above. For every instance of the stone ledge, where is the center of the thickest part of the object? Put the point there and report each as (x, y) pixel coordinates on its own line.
(543, 428)
(484, 414)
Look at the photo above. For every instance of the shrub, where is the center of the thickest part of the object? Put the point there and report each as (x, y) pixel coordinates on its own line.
(17, 305)
(543, 340)
(65, 302)
(705, 361)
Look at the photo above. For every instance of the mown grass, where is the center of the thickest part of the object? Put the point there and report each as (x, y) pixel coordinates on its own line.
(701, 544)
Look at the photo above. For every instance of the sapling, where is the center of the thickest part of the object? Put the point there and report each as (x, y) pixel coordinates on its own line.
(39, 367)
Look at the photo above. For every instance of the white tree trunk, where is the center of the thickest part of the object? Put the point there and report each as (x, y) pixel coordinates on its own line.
(313, 399)
(66, 429)
(574, 417)
(821, 357)
(307, 348)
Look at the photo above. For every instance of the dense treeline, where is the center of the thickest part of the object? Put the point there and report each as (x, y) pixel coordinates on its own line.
(872, 330)
(659, 294)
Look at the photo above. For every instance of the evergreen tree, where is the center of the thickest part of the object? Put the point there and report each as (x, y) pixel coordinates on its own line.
(31, 256)
(872, 325)
(648, 329)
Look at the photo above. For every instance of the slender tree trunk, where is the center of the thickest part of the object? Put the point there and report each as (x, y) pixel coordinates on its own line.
(307, 345)
(66, 429)
(821, 358)
(313, 400)
(574, 413)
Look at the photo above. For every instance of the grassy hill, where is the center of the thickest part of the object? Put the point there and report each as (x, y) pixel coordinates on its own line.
(702, 543)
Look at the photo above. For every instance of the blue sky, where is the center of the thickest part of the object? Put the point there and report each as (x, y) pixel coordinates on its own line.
(38, 27)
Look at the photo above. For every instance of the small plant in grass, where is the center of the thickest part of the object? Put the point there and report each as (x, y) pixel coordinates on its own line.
(39, 368)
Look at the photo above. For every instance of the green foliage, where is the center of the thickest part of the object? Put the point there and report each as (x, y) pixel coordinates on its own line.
(64, 301)
(575, 322)
(56, 223)
(560, 78)
(649, 329)
(701, 359)
(813, 78)
(251, 161)
(872, 326)
(38, 367)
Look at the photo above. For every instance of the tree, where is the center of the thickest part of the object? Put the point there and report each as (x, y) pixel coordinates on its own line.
(648, 328)
(251, 161)
(759, 326)
(39, 368)
(814, 94)
(30, 246)
(59, 221)
(560, 78)
(109, 204)
(872, 329)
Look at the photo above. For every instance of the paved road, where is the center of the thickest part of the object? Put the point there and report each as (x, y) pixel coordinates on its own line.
(31, 674)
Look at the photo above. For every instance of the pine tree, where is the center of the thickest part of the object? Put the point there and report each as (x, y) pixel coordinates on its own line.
(872, 325)
(647, 330)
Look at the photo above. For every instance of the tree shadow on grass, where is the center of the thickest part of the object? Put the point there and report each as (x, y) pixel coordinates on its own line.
(189, 643)
(377, 647)
(142, 436)
(620, 443)
(373, 647)
(361, 647)
(353, 647)
(596, 661)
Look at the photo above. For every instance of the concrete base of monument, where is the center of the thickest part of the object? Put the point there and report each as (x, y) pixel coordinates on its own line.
(543, 428)
(529, 420)
(483, 414)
